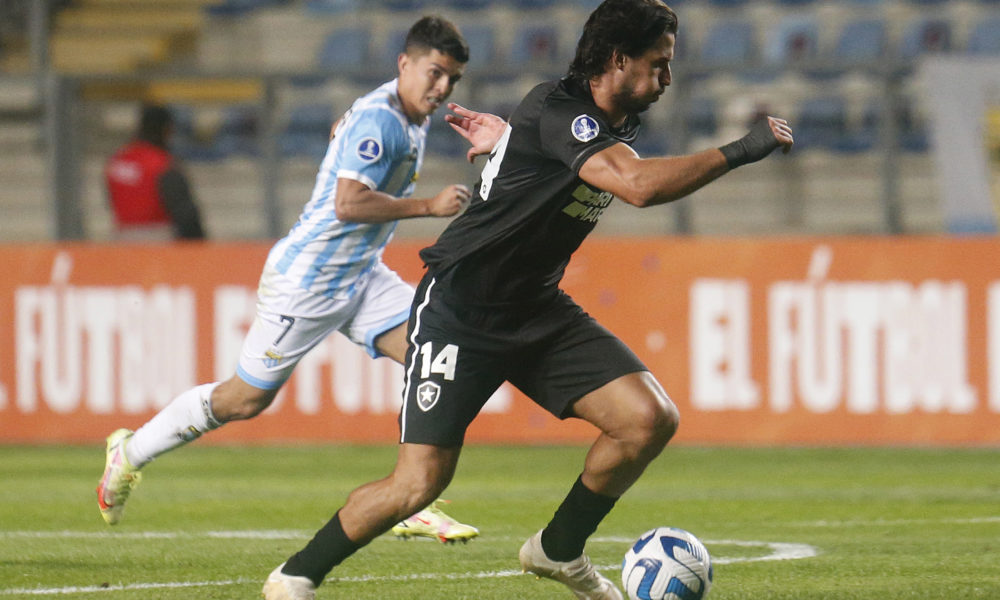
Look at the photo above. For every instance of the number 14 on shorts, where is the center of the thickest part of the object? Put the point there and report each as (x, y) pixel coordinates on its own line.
(443, 363)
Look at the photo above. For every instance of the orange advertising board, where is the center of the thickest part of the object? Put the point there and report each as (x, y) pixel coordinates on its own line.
(758, 341)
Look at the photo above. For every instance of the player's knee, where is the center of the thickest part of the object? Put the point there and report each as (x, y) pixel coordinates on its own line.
(238, 403)
(654, 424)
(248, 409)
(418, 492)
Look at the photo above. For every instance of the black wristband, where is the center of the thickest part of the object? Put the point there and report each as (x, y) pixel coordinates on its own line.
(755, 145)
(735, 153)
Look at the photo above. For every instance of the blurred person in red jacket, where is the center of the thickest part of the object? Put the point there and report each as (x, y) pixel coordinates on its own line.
(149, 195)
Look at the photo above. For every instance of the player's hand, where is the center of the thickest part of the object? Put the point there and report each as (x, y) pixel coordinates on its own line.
(482, 130)
(782, 132)
(449, 201)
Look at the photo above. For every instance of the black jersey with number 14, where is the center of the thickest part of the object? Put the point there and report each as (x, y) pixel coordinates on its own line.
(530, 210)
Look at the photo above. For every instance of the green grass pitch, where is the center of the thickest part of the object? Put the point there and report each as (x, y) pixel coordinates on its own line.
(211, 522)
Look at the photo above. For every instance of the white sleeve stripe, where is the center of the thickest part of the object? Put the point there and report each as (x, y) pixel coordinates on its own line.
(354, 175)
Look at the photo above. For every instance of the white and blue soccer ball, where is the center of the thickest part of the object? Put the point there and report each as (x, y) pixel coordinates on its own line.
(667, 563)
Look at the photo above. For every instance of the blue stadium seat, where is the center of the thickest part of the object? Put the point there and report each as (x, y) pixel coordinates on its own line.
(401, 5)
(307, 132)
(535, 45)
(985, 38)
(795, 38)
(821, 122)
(911, 133)
(652, 141)
(728, 42)
(925, 35)
(467, 5)
(236, 8)
(443, 141)
(238, 131)
(187, 143)
(532, 3)
(345, 49)
(330, 7)
(236, 134)
(861, 41)
(701, 116)
(393, 44)
(482, 46)
(862, 135)
(480, 37)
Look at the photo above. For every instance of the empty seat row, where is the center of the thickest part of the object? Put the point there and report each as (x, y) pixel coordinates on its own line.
(831, 121)
(242, 7)
(796, 38)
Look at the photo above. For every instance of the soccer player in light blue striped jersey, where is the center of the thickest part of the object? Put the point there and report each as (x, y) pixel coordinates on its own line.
(327, 275)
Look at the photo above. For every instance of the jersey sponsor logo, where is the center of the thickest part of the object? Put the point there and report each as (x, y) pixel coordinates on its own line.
(588, 205)
(428, 393)
(585, 128)
(369, 150)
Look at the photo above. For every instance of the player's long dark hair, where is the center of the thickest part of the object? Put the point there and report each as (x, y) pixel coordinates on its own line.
(629, 26)
(438, 33)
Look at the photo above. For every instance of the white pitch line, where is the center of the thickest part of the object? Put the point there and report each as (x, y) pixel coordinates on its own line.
(893, 522)
(779, 551)
(157, 535)
(91, 589)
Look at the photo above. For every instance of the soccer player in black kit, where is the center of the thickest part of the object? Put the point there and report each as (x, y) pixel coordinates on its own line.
(489, 307)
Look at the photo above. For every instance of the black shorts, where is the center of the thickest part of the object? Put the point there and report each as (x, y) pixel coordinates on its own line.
(555, 353)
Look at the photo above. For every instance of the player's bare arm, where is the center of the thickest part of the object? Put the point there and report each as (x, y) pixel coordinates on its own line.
(357, 203)
(652, 181)
(481, 130)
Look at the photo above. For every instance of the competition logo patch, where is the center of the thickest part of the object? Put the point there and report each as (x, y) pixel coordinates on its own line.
(272, 357)
(369, 150)
(585, 128)
(428, 393)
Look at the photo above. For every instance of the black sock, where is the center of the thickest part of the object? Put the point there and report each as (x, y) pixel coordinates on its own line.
(576, 518)
(328, 548)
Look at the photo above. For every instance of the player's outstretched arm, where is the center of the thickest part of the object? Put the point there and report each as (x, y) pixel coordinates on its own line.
(357, 203)
(481, 130)
(652, 181)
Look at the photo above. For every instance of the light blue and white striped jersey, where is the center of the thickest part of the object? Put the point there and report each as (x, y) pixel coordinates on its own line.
(377, 145)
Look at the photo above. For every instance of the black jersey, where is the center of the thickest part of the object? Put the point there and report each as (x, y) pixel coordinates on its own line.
(530, 210)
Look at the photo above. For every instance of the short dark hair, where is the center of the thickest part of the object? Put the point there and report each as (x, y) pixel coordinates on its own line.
(154, 121)
(628, 26)
(437, 33)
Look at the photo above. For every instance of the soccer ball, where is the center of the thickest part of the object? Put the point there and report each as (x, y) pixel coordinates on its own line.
(667, 563)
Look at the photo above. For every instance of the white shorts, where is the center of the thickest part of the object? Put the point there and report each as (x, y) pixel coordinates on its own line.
(290, 322)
